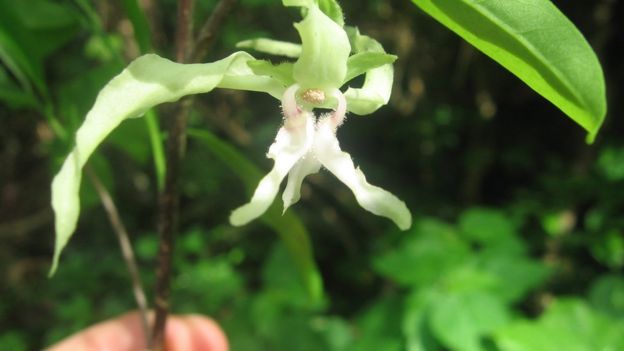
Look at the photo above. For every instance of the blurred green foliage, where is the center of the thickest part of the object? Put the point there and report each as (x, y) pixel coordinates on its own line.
(518, 242)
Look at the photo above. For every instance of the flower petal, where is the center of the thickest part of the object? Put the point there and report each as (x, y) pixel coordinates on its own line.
(378, 81)
(290, 145)
(305, 166)
(370, 197)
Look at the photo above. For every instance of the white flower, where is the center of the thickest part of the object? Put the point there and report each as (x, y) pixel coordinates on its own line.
(301, 147)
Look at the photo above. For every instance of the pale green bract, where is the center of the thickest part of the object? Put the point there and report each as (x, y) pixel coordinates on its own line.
(325, 51)
(148, 81)
(323, 64)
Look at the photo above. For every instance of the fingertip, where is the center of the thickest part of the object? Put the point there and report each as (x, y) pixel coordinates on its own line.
(177, 335)
(203, 334)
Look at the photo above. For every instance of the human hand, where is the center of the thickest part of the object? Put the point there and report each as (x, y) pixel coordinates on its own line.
(125, 333)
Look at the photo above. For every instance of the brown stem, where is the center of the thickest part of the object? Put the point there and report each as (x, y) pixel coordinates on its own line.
(210, 29)
(126, 247)
(176, 144)
(169, 199)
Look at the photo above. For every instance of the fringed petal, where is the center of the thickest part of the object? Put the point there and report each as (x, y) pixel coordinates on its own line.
(290, 145)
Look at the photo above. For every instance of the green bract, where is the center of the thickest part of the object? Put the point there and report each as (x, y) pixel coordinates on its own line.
(323, 63)
(148, 81)
(325, 50)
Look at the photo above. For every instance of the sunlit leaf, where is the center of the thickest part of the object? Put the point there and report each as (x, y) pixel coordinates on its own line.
(461, 320)
(567, 325)
(538, 44)
(428, 244)
(486, 226)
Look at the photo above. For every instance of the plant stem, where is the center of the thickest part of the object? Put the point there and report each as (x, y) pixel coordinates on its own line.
(176, 144)
(126, 247)
(169, 199)
(209, 30)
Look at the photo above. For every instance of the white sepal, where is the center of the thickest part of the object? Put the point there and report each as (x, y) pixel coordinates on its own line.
(291, 144)
(307, 165)
(370, 197)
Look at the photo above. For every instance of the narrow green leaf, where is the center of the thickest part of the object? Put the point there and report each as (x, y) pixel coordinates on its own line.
(288, 226)
(538, 44)
(139, 24)
(16, 61)
(143, 36)
(158, 152)
(148, 81)
(13, 95)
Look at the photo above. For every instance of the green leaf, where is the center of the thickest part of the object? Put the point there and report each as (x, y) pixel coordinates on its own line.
(158, 152)
(607, 295)
(288, 226)
(567, 325)
(417, 333)
(37, 28)
(12, 95)
(378, 81)
(611, 163)
(143, 36)
(486, 226)
(139, 24)
(42, 14)
(513, 275)
(429, 251)
(538, 44)
(608, 248)
(148, 81)
(271, 47)
(17, 62)
(460, 321)
(379, 326)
